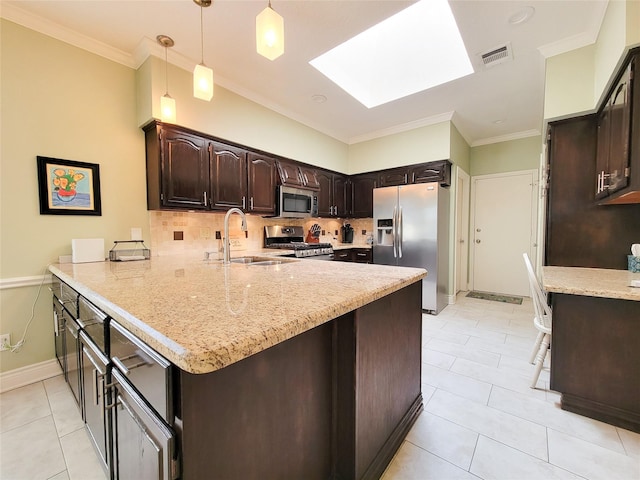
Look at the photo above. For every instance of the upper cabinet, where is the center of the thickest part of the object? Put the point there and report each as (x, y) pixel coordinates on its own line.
(295, 174)
(228, 176)
(177, 169)
(362, 186)
(188, 170)
(618, 139)
(332, 197)
(261, 172)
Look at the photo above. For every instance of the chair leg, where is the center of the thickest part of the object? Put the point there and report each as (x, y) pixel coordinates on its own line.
(536, 347)
(542, 353)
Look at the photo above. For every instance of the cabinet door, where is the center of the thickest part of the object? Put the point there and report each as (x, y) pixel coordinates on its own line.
(325, 195)
(362, 255)
(261, 173)
(620, 124)
(340, 203)
(431, 172)
(289, 174)
(393, 177)
(309, 177)
(185, 170)
(362, 195)
(228, 176)
(602, 152)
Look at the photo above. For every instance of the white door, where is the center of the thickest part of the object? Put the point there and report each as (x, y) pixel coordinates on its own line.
(503, 228)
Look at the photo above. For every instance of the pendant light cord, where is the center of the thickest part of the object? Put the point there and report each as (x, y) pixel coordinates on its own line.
(201, 38)
(166, 68)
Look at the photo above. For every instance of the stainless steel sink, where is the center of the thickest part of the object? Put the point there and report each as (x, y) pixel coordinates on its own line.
(262, 261)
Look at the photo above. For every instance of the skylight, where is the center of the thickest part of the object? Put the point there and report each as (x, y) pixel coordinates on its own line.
(411, 51)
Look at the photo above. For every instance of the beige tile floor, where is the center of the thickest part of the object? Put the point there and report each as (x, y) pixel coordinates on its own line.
(480, 418)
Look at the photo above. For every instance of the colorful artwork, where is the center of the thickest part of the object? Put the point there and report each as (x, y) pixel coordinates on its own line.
(68, 187)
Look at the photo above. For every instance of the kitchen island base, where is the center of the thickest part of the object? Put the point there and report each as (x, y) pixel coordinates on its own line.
(596, 359)
(333, 402)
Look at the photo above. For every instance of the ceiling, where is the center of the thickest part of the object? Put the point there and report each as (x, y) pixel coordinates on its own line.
(499, 103)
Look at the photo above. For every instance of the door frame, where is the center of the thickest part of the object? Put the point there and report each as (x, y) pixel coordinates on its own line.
(533, 242)
(461, 232)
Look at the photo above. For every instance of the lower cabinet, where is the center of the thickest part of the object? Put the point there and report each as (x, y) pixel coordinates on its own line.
(94, 383)
(143, 444)
(357, 255)
(122, 387)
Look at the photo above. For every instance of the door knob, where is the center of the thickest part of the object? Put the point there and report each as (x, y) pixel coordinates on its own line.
(478, 241)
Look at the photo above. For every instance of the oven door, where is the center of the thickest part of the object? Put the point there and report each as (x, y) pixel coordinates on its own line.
(144, 445)
(329, 256)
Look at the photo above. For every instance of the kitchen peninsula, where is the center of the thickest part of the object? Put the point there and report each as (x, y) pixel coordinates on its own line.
(594, 347)
(302, 369)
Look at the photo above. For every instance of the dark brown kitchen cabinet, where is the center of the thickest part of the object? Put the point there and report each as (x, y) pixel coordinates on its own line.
(362, 255)
(261, 183)
(289, 173)
(177, 169)
(332, 197)
(618, 166)
(228, 176)
(614, 128)
(580, 233)
(309, 177)
(393, 177)
(362, 186)
(431, 172)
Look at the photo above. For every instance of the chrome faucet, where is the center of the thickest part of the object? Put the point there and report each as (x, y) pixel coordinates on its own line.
(227, 245)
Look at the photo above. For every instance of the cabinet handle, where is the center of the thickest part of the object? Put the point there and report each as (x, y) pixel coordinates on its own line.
(361, 254)
(251, 203)
(205, 198)
(244, 202)
(124, 369)
(55, 321)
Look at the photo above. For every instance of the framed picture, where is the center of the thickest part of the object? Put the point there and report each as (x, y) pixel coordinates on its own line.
(67, 187)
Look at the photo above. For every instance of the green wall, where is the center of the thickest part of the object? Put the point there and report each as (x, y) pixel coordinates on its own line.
(511, 156)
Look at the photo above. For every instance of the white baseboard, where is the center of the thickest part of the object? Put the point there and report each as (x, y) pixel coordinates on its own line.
(451, 299)
(29, 374)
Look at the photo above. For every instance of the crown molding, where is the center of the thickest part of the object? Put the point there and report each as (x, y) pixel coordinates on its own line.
(54, 30)
(404, 127)
(506, 138)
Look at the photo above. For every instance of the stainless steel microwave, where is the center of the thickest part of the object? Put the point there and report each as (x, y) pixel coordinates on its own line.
(294, 202)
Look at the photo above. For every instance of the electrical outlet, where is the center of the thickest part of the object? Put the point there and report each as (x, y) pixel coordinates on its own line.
(218, 236)
(5, 342)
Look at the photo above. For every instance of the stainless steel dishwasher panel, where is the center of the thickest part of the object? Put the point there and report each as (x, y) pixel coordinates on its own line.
(146, 370)
(94, 379)
(144, 445)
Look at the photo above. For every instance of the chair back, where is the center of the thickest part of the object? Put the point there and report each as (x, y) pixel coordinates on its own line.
(542, 310)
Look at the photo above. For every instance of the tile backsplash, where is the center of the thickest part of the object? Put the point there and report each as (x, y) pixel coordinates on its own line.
(198, 231)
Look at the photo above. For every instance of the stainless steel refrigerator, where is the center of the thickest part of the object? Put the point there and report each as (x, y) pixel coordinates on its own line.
(411, 229)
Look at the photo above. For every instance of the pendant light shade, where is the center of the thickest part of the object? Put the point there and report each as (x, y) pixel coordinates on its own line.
(203, 82)
(167, 103)
(269, 33)
(202, 75)
(168, 108)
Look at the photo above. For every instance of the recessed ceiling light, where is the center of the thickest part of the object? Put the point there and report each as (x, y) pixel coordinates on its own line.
(319, 98)
(521, 16)
(411, 51)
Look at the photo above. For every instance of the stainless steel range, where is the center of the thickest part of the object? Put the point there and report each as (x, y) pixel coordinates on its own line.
(291, 238)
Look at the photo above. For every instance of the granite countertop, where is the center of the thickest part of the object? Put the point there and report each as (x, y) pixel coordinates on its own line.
(345, 246)
(203, 316)
(591, 282)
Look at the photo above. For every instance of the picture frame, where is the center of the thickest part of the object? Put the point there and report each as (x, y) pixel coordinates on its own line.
(68, 187)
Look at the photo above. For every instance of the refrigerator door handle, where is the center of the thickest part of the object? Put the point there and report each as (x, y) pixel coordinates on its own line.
(394, 232)
(400, 233)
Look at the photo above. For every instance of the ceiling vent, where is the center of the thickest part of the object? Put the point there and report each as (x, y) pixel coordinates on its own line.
(497, 55)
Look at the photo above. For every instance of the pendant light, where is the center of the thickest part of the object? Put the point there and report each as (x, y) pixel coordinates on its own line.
(202, 75)
(269, 33)
(167, 103)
